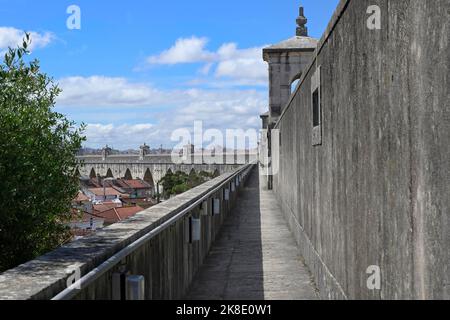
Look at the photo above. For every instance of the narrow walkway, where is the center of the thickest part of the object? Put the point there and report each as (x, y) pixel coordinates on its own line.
(255, 256)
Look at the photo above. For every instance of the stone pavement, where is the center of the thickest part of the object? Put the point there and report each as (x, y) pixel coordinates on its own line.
(255, 256)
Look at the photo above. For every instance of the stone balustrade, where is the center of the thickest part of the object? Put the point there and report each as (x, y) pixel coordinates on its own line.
(161, 247)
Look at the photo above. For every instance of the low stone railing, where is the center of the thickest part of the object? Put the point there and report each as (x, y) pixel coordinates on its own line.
(153, 255)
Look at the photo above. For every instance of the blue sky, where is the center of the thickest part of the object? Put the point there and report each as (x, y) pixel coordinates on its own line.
(137, 70)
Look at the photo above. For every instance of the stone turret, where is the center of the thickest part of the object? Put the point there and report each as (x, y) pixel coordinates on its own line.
(302, 30)
(188, 150)
(265, 120)
(106, 151)
(145, 150)
(287, 60)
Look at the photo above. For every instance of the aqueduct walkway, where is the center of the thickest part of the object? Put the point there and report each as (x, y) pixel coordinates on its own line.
(225, 239)
(255, 256)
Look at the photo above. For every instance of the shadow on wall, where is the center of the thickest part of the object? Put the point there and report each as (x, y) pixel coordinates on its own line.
(234, 266)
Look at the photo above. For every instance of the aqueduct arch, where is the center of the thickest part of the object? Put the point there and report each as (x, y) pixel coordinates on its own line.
(92, 175)
(128, 175)
(109, 174)
(148, 177)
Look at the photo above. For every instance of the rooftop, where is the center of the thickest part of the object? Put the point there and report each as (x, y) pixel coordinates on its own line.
(105, 206)
(265, 115)
(105, 191)
(301, 42)
(297, 42)
(134, 184)
(118, 214)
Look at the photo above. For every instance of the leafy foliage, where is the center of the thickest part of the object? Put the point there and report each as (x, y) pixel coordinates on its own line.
(179, 182)
(37, 161)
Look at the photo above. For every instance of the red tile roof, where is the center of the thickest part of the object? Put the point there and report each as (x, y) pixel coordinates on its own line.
(107, 191)
(137, 184)
(132, 184)
(94, 183)
(121, 183)
(118, 214)
(105, 206)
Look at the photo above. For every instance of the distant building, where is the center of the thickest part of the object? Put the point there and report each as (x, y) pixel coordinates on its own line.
(106, 151)
(84, 223)
(136, 189)
(105, 206)
(188, 151)
(98, 195)
(144, 150)
(82, 202)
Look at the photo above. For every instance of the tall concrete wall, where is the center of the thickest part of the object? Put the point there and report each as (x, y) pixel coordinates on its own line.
(376, 192)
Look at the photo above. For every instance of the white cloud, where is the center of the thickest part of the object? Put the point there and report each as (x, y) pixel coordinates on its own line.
(118, 136)
(185, 50)
(206, 69)
(12, 37)
(221, 110)
(218, 109)
(102, 91)
(109, 92)
(243, 66)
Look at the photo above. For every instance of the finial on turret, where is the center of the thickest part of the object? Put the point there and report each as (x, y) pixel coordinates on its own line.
(302, 30)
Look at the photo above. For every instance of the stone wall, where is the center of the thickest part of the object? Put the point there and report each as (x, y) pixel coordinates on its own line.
(157, 165)
(157, 170)
(168, 261)
(376, 191)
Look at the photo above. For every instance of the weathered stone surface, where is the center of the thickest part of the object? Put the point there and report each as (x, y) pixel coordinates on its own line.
(139, 169)
(168, 262)
(376, 192)
(255, 256)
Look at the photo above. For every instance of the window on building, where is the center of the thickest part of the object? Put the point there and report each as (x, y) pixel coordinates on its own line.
(316, 108)
(279, 142)
(294, 85)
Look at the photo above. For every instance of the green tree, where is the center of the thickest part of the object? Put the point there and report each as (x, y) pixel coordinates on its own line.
(37, 161)
(180, 188)
(179, 182)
